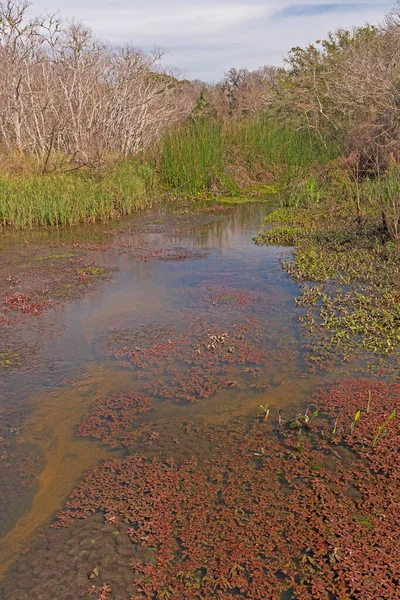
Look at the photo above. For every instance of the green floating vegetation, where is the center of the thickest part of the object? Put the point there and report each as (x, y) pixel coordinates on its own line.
(365, 520)
(349, 272)
(92, 271)
(256, 193)
(235, 199)
(56, 256)
(9, 359)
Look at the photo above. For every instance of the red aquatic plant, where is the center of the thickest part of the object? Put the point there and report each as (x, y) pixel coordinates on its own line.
(113, 420)
(101, 591)
(262, 515)
(22, 302)
(377, 403)
(193, 364)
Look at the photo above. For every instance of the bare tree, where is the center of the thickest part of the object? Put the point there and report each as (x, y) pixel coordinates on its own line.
(67, 93)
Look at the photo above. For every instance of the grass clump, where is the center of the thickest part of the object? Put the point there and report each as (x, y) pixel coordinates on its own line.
(193, 159)
(68, 199)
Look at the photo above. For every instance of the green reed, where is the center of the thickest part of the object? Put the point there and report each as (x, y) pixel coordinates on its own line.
(67, 199)
(222, 156)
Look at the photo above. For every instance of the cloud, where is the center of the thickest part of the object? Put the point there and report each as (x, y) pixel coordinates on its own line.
(205, 38)
(311, 10)
(181, 22)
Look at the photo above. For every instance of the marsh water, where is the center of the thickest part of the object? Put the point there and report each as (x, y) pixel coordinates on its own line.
(166, 276)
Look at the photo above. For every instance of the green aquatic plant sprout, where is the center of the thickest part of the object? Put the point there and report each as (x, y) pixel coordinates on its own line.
(305, 419)
(334, 430)
(265, 409)
(381, 428)
(354, 421)
(299, 445)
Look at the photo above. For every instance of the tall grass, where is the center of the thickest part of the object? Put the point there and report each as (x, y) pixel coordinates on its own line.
(198, 157)
(65, 200)
(193, 158)
(202, 156)
(272, 145)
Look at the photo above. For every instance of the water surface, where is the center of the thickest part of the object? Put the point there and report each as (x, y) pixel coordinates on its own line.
(208, 280)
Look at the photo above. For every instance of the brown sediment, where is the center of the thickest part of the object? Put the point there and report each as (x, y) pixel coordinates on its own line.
(51, 429)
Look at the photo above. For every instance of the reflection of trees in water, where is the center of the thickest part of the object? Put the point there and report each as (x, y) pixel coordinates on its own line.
(227, 232)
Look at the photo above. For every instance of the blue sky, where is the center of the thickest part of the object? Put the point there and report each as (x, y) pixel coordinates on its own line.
(204, 38)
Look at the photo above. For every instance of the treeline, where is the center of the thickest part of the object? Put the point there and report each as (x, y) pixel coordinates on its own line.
(346, 89)
(69, 99)
(64, 92)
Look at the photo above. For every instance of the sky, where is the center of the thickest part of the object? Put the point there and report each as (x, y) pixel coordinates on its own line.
(205, 38)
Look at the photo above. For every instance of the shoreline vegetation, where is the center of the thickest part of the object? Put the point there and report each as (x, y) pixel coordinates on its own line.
(90, 131)
(201, 159)
(349, 278)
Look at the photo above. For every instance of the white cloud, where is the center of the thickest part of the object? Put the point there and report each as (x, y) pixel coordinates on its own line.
(182, 22)
(206, 38)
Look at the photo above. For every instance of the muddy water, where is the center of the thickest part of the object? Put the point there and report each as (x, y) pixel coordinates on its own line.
(207, 280)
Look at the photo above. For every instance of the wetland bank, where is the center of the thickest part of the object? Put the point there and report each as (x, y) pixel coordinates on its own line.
(199, 321)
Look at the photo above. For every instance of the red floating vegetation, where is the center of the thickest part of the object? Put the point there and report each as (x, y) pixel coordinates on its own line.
(266, 513)
(188, 386)
(102, 592)
(192, 365)
(215, 294)
(145, 251)
(22, 302)
(114, 420)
